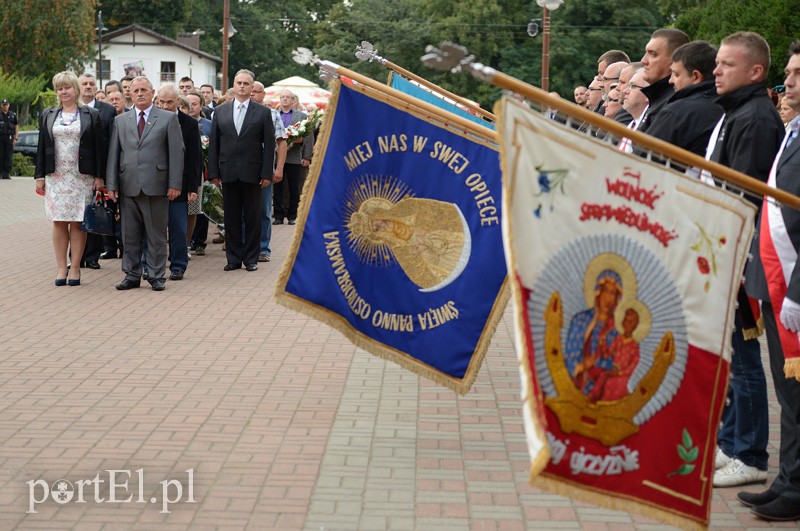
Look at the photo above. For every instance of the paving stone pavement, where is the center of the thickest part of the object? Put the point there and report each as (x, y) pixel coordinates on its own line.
(253, 416)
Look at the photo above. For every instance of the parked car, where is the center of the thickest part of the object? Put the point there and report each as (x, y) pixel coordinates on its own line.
(27, 142)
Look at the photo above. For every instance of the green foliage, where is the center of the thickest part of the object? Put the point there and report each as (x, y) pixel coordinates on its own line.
(778, 21)
(22, 165)
(47, 36)
(46, 99)
(19, 90)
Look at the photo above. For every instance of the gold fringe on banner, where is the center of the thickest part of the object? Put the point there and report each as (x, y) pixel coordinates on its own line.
(585, 494)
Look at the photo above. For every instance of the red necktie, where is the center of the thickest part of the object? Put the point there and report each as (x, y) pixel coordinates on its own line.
(141, 123)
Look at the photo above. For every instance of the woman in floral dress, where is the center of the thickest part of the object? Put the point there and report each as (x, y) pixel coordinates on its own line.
(70, 165)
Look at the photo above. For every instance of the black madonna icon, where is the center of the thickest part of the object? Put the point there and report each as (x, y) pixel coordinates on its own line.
(608, 318)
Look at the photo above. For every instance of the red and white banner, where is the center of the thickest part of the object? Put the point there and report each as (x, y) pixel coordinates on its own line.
(626, 276)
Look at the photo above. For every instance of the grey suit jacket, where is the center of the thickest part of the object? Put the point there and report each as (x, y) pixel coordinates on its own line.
(149, 165)
(297, 152)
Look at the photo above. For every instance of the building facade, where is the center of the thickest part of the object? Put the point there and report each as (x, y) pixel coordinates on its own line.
(135, 50)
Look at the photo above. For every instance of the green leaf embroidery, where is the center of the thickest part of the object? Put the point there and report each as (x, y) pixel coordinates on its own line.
(688, 453)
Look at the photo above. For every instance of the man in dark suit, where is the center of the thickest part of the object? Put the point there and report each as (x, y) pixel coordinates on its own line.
(192, 169)
(240, 155)
(94, 242)
(145, 171)
(775, 253)
(208, 100)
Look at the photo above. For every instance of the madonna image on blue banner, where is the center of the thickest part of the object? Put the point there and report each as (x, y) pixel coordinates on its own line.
(399, 241)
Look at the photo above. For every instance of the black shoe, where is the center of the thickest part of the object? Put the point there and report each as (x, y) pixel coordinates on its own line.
(128, 284)
(751, 499)
(780, 509)
(158, 284)
(277, 222)
(108, 255)
(176, 275)
(231, 267)
(292, 221)
(251, 267)
(91, 265)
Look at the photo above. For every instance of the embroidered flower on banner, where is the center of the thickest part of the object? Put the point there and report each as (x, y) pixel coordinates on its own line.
(549, 181)
(705, 247)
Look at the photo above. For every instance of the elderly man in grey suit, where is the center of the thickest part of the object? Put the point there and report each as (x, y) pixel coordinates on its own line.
(145, 171)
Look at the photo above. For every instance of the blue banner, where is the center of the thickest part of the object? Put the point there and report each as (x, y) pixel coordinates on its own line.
(399, 243)
(403, 85)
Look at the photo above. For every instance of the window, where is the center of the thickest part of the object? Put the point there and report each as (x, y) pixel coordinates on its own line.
(105, 64)
(168, 71)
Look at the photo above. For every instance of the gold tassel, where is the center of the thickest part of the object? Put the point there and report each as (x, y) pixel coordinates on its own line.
(791, 368)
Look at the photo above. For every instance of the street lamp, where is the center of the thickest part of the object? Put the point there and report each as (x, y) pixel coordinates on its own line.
(100, 29)
(547, 6)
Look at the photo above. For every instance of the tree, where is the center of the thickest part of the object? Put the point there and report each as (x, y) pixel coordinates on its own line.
(164, 16)
(21, 92)
(47, 36)
(778, 21)
(581, 32)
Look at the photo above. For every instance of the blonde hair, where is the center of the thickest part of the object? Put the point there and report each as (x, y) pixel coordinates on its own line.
(183, 101)
(70, 79)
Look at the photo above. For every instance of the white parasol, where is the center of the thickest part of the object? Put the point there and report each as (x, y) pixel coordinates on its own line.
(307, 91)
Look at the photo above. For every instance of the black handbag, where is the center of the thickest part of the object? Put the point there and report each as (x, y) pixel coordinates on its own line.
(98, 217)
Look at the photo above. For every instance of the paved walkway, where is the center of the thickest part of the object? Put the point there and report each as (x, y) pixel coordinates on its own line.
(281, 423)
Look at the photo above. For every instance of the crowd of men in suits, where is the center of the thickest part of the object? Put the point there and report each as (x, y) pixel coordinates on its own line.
(156, 167)
(715, 103)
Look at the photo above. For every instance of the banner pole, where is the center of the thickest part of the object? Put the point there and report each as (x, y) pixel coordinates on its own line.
(454, 57)
(439, 113)
(367, 52)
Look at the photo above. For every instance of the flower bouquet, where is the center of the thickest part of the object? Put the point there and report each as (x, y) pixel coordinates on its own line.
(303, 128)
(212, 203)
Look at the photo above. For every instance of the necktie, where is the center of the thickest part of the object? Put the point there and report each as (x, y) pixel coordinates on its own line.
(239, 118)
(792, 134)
(141, 123)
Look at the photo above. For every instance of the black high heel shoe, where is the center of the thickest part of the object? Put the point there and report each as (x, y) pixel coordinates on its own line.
(74, 282)
(61, 282)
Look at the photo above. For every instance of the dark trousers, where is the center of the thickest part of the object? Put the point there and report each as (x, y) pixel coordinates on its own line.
(292, 174)
(242, 204)
(787, 390)
(113, 243)
(94, 246)
(6, 150)
(200, 234)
